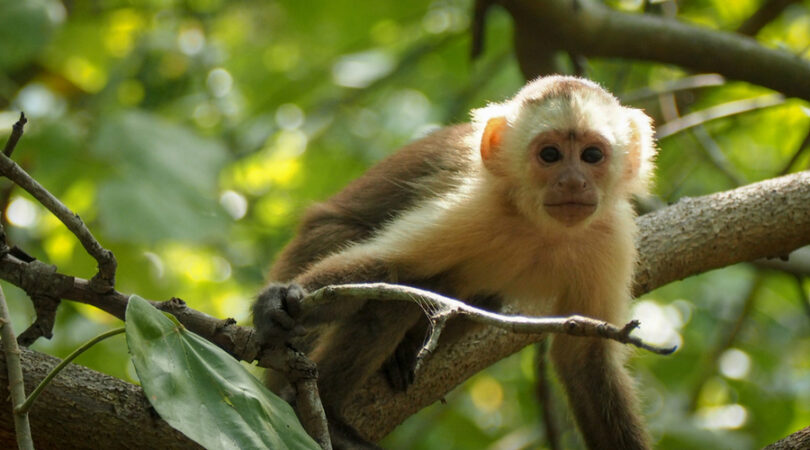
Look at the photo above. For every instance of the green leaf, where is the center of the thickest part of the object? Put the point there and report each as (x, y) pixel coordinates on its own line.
(165, 180)
(202, 391)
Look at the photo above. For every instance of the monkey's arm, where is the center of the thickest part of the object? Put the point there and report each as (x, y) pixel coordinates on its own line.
(277, 311)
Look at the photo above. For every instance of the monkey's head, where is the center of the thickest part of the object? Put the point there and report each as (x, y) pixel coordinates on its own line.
(565, 149)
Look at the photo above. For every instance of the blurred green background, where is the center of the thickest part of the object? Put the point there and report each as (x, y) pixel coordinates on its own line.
(190, 135)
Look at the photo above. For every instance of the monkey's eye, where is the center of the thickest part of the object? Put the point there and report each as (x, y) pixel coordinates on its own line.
(550, 154)
(592, 155)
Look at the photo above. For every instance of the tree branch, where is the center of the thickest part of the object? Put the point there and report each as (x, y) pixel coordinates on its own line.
(16, 380)
(761, 220)
(582, 27)
(797, 440)
(104, 280)
(71, 410)
(440, 309)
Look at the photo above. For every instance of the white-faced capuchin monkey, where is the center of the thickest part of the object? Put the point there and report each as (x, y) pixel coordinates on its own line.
(529, 205)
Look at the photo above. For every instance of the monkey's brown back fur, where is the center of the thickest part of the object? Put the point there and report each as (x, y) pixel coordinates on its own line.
(417, 171)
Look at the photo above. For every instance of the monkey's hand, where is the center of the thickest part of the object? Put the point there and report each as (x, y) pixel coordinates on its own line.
(277, 311)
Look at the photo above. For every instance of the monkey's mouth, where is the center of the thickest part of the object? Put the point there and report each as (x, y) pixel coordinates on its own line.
(570, 213)
(572, 206)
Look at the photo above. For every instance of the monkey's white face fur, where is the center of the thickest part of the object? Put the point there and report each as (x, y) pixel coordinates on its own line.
(594, 146)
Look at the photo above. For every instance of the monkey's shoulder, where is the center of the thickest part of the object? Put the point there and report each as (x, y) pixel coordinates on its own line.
(427, 167)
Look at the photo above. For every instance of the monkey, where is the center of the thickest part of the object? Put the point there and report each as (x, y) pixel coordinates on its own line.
(528, 206)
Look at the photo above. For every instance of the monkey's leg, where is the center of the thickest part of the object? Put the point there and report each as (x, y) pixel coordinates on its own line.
(400, 367)
(600, 392)
(350, 353)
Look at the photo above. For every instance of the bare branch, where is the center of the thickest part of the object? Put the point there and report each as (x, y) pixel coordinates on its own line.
(16, 134)
(797, 440)
(15, 377)
(104, 280)
(582, 27)
(717, 112)
(82, 408)
(670, 87)
(302, 374)
(761, 220)
(446, 308)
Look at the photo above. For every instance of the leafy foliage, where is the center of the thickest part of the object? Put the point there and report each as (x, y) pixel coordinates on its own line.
(191, 135)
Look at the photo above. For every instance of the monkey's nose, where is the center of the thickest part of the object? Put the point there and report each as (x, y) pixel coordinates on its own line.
(573, 182)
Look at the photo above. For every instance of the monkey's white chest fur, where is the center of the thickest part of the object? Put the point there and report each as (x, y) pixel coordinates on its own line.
(481, 250)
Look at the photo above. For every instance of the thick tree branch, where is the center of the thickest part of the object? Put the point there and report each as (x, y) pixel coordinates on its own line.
(83, 409)
(762, 220)
(797, 440)
(583, 27)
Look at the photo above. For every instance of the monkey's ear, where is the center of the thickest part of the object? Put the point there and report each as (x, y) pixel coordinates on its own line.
(641, 151)
(491, 141)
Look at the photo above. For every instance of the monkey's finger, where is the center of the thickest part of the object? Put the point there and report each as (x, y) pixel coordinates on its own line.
(292, 301)
(282, 319)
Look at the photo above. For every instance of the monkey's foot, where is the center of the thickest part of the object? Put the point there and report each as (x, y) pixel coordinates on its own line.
(277, 310)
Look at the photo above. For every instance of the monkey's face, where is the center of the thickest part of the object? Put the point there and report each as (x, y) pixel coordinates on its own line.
(571, 168)
(565, 150)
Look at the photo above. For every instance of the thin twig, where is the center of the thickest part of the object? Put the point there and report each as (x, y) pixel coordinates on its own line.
(26, 406)
(447, 307)
(670, 87)
(16, 133)
(15, 376)
(717, 112)
(437, 325)
(104, 280)
(302, 374)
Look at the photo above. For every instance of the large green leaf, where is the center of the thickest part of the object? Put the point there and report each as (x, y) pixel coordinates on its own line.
(164, 180)
(202, 391)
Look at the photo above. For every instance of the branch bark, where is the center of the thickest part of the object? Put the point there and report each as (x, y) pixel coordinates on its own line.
(582, 27)
(82, 408)
(797, 440)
